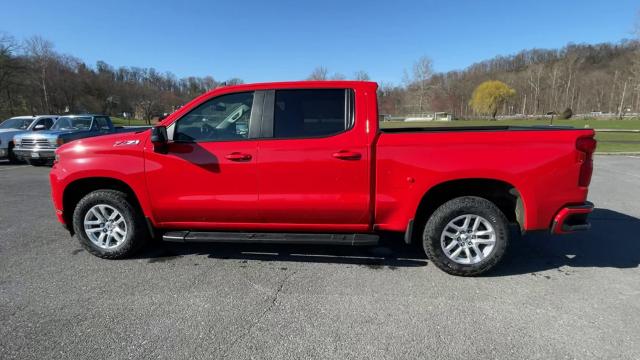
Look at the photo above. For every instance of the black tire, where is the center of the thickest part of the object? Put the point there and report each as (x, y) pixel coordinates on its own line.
(38, 162)
(451, 210)
(13, 159)
(137, 233)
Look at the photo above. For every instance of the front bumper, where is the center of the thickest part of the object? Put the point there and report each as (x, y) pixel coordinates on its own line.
(572, 218)
(34, 153)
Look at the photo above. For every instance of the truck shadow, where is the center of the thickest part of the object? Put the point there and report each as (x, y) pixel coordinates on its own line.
(195, 154)
(613, 242)
(390, 253)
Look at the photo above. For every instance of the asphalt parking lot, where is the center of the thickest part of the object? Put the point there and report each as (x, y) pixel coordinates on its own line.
(576, 296)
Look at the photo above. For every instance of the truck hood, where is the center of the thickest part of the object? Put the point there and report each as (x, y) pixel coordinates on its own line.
(102, 143)
(11, 132)
(6, 135)
(50, 134)
(4, 131)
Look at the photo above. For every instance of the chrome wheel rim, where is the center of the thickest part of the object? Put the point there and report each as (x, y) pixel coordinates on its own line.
(468, 239)
(105, 226)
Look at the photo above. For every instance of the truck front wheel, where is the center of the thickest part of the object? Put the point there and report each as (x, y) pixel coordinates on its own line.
(13, 159)
(466, 236)
(108, 225)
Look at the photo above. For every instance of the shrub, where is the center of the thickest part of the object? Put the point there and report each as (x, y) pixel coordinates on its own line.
(566, 114)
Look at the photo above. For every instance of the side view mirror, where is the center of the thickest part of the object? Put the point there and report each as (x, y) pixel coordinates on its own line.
(159, 138)
(39, 127)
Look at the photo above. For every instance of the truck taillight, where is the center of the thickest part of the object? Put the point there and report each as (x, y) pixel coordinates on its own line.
(587, 146)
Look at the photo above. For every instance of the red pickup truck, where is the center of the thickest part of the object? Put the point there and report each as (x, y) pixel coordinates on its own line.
(306, 162)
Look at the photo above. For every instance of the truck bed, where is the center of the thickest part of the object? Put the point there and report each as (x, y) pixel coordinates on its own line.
(474, 128)
(539, 161)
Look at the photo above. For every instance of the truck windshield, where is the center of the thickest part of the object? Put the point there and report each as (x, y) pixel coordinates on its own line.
(72, 123)
(21, 124)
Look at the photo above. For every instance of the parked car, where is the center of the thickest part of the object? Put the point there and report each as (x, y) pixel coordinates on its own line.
(19, 125)
(38, 148)
(306, 162)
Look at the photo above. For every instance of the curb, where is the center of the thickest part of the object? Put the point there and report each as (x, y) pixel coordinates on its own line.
(619, 153)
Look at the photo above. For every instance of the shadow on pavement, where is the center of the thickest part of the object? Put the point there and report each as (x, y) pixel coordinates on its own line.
(390, 253)
(613, 241)
(7, 163)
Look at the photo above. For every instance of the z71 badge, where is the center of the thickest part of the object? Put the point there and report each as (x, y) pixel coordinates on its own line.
(126, 142)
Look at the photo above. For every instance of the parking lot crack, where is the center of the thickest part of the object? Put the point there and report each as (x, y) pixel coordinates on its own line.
(272, 303)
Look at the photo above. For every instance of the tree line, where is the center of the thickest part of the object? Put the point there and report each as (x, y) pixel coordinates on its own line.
(585, 78)
(35, 79)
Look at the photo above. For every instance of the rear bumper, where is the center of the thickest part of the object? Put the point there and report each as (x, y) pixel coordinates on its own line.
(35, 153)
(572, 218)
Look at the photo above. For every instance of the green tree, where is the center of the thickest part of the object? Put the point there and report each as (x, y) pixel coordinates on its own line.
(489, 96)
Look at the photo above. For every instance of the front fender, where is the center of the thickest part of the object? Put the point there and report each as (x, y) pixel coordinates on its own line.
(99, 158)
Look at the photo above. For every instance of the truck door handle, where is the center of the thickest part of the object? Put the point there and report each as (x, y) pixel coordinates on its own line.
(238, 156)
(347, 155)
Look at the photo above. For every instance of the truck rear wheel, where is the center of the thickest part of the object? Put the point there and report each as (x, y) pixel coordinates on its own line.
(466, 236)
(108, 225)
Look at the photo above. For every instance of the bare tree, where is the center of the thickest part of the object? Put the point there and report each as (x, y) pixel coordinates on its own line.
(555, 73)
(621, 107)
(147, 103)
(422, 72)
(319, 73)
(42, 52)
(8, 47)
(234, 81)
(635, 67)
(361, 76)
(535, 74)
(10, 68)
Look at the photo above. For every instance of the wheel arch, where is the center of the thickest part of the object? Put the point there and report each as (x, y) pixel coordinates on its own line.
(78, 189)
(505, 195)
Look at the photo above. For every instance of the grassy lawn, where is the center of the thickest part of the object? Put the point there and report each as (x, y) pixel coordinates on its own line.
(126, 122)
(607, 141)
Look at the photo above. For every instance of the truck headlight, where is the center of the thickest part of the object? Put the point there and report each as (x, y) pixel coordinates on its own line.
(17, 142)
(59, 141)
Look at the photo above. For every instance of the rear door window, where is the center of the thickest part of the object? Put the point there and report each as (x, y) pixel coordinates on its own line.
(311, 113)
